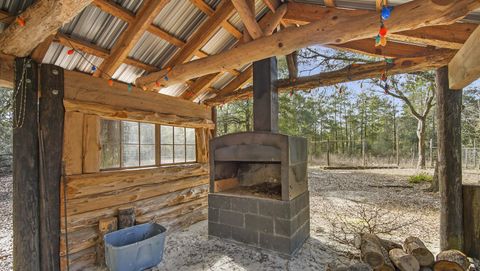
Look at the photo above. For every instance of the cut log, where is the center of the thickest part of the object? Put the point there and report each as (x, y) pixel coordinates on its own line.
(414, 246)
(387, 263)
(389, 245)
(451, 260)
(105, 226)
(126, 217)
(403, 261)
(371, 250)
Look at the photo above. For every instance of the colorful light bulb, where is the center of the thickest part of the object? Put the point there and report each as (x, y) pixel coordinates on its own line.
(383, 41)
(94, 68)
(110, 82)
(20, 21)
(70, 52)
(383, 31)
(130, 87)
(384, 77)
(386, 12)
(377, 40)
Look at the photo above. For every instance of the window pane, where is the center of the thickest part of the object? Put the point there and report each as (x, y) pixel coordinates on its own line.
(190, 135)
(147, 155)
(110, 156)
(147, 133)
(166, 133)
(179, 134)
(130, 156)
(179, 154)
(130, 132)
(191, 155)
(110, 131)
(166, 154)
(110, 143)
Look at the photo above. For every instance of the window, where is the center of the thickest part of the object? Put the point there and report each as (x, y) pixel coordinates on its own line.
(127, 144)
(177, 145)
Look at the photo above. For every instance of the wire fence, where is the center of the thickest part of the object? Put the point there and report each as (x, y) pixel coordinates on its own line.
(6, 161)
(364, 153)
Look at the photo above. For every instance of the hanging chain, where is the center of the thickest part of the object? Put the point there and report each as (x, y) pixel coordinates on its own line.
(20, 96)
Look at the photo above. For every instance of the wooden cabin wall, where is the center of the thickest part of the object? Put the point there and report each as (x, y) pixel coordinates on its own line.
(174, 195)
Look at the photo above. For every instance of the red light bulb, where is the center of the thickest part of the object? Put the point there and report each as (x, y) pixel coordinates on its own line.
(383, 31)
(70, 52)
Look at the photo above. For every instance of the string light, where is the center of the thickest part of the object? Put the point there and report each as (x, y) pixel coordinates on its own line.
(94, 68)
(386, 12)
(383, 31)
(70, 52)
(129, 87)
(110, 82)
(20, 21)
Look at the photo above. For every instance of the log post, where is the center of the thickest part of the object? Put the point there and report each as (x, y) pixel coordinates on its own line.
(471, 220)
(105, 226)
(449, 106)
(26, 247)
(50, 161)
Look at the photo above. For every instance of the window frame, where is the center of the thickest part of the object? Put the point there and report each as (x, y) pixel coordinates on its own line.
(157, 145)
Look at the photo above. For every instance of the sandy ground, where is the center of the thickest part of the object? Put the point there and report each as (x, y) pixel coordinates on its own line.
(334, 196)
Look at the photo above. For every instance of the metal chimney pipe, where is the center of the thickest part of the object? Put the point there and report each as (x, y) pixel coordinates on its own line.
(265, 95)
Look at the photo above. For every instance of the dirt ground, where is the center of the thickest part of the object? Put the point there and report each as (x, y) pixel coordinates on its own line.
(340, 196)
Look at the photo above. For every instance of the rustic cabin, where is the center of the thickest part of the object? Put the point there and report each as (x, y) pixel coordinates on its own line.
(115, 114)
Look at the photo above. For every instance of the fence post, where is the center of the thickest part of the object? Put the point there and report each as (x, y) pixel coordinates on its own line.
(431, 152)
(363, 153)
(328, 152)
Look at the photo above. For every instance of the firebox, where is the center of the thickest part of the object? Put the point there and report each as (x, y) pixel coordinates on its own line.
(258, 180)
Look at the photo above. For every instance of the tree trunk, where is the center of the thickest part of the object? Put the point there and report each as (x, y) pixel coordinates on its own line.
(421, 143)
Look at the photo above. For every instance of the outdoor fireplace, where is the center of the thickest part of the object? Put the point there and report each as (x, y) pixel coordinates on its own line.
(258, 180)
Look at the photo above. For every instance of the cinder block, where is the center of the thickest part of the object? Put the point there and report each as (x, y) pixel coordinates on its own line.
(232, 218)
(259, 223)
(273, 208)
(219, 230)
(213, 214)
(284, 227)
(245, 236)
(244, 205)
(277, 243)
(300, 236)
(219, 202)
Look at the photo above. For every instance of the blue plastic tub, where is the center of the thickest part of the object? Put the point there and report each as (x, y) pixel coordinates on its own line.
(135, 248)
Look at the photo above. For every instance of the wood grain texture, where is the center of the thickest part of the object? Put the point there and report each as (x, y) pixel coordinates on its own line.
(73, 142)
(247, 16)
(119, 113)
(42, 19)
(465, 66)
(411, 15)
(449, 142)
(471, 220)
(26, 194)
(51, 135)
(91, 144)
(350, 73)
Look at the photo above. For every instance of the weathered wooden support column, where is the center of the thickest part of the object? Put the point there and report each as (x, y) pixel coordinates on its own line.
(50, 161)
(471, 219)
(265, 95)
(26, 248)
(449, 107)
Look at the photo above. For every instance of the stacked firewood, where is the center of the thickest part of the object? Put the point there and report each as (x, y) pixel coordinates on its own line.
(383, 255)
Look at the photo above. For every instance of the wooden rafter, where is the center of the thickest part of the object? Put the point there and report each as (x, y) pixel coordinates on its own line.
(268, 22)
(129, 38)
(450, 36)
(39, 53)
(6, 18)
(392, 50)
(465, 66)
(248, 18)
(237, 82)
(350, 73)
(95, 50)
(410, 15)
(209, 11)
(200, 86)
(292, 65)
(42, 19)
(379, 4)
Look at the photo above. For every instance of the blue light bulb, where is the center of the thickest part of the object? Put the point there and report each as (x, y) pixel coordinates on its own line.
(94, 68)
(386, 12)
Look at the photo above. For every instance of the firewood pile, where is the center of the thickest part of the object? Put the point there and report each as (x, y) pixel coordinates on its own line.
(383, 255)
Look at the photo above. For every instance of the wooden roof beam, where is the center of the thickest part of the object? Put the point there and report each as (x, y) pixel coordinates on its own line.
(350, 73)
(330, 3)
(465, 66)
(42, 19)
(6, 18)
(209, 11)
(343, 28)
(129, 38)
(248, 18)
(200, 86)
